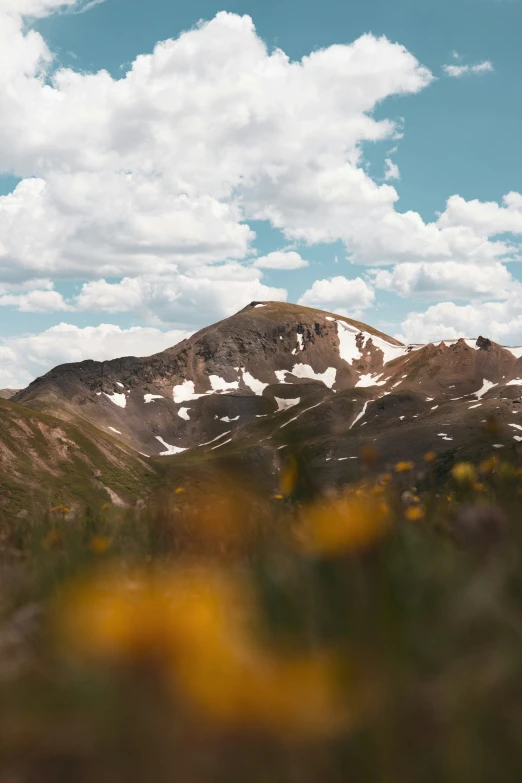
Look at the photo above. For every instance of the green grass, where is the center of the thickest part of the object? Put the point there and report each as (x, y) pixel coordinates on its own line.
(36, 475)
(421, 621)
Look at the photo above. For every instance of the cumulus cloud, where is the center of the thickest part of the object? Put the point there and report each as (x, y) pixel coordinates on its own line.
(500, 321)
(84, 224)
(446, 279)
(484, 217)
(280, 259)
(217, 291)
(23, 358)
(457, 71)
(339, 295)
(166, 165)
(36, 301)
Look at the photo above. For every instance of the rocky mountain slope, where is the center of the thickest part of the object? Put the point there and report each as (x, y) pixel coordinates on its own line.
(45, 462)
(278, 376)
(266, 358)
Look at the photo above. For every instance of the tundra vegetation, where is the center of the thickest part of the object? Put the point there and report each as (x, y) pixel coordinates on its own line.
(367, 632)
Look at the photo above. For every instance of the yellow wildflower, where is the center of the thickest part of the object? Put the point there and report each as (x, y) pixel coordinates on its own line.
(489, 465)
(179, 491)
(99, 544)
(506, 471)
(345, 524)
(464, 472)
(199, 626)
(414, 513)
(430, 456)
(403, 467)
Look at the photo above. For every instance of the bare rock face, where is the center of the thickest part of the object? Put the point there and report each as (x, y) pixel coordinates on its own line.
(266, 358)
(288, 369)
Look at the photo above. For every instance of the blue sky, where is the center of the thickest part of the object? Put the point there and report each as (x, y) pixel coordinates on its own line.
(425, 277)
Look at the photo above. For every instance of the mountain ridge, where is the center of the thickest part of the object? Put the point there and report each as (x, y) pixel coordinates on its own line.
(276, 377)
(261, 347)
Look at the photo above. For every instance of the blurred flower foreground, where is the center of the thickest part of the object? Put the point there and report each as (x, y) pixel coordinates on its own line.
(371, 633)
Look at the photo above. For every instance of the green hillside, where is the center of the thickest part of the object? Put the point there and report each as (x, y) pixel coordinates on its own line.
(48, 462)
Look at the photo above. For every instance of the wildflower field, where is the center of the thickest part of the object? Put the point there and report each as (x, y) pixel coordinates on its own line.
(367, 633)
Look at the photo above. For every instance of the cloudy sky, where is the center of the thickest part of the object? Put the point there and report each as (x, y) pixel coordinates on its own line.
(163, 163)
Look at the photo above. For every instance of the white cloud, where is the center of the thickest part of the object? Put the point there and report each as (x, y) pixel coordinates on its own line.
(88, 6)
(23, 358)
(444, 279)
(339, 295)
(484, 217)
(162, 166)
(217, 291)
(36, 301)
(500, 321)
(391, 170)
(280, 259)
(34, 8)
(88, 225)
(457, 71)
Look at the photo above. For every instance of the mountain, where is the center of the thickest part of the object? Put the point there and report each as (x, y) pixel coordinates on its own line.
(266, 358)
(279, 376)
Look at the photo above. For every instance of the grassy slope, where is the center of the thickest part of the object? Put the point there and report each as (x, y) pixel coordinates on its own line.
(276, 310)
(47, 461)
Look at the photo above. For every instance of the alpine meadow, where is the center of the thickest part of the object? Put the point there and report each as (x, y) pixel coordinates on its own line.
(260, 391)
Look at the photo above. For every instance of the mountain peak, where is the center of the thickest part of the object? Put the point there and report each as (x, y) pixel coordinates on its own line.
(266, 358)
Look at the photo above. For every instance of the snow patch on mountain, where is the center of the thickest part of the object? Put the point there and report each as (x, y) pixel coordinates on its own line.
(253, 384)
(370, 380)
(170, 449)
(219, 384)
(283, 404)
(361, 414)
(151, 397)
(208, 442)
(305, 371)
(118, 399)
(487, 385)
